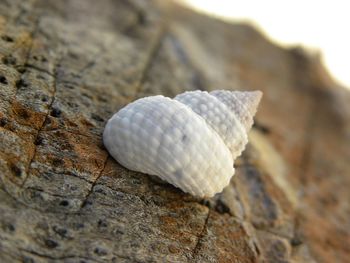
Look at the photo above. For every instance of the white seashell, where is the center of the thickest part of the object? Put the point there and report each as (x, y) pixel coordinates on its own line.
(190, 141)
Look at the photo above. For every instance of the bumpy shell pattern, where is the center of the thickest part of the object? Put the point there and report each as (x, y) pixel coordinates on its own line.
(190, 141)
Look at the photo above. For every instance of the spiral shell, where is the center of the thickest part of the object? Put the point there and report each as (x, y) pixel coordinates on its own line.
(190, 141)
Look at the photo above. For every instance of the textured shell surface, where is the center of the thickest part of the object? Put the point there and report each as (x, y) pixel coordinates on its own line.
(190, 141)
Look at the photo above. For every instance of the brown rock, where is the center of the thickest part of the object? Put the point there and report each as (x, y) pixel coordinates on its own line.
(67, 66)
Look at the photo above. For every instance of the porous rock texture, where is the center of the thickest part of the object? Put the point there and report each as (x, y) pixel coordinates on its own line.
(67, 66)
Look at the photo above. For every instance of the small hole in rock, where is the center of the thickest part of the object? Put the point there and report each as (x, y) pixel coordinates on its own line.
(102, 223)
(64, 203)
(21, 83)
(69, 86)
(55, 112)
(86, 203)
(221, 207)
(73, 55)
(16, 170)
(3, 122)
(96, 117)
(205, 202)
(38, 141)
(21, 70)
(57, 162)
(102, 99)
(44, 98)
(141, 18)
(295, 241)
(9, 60)
(7, 38)
(61, 231)
(23, 113)
(3, 80)
(51, 243)
(9, 227)
(100, 251)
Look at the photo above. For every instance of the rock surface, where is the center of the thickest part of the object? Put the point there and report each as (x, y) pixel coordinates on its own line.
(67, 66)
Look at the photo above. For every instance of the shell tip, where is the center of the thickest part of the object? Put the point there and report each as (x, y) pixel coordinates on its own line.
(251, 100)
(243, 103)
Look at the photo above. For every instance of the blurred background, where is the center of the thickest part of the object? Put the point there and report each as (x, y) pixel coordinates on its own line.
(318, 26)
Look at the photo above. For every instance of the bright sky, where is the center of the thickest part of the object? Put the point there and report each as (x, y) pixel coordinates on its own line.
(321, 25)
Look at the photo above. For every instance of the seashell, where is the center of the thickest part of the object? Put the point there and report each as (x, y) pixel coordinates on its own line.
(190, 141)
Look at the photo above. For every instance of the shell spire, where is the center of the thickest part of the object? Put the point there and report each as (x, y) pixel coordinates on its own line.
(243, 103)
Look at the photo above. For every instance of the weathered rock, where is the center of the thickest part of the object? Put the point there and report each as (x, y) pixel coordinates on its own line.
(67, 66)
